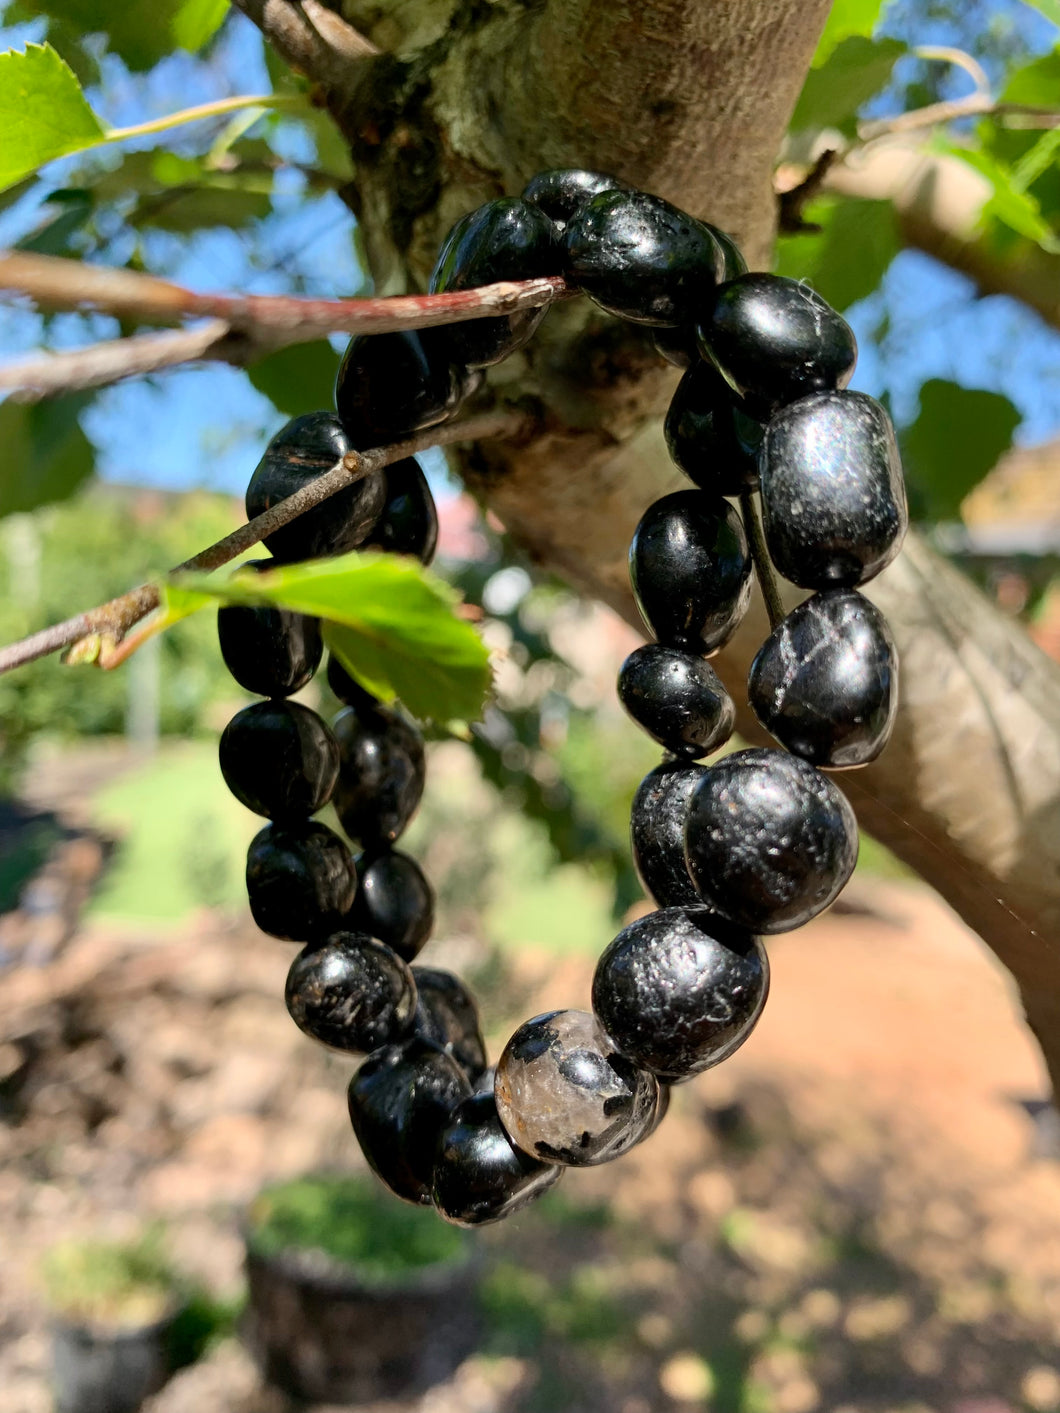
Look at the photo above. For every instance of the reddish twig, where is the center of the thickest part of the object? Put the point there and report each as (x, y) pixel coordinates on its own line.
(112, 620)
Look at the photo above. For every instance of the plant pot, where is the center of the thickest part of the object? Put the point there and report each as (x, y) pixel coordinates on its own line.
(323, 1334)
(105, 1370)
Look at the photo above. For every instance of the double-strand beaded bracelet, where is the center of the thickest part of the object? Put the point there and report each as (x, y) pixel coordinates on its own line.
(757, 843)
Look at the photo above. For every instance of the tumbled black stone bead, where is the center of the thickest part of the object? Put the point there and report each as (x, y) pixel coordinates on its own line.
(641, 258)
(352, 993)
(657, 833)
(735, 264)
(479, 1175)
(770, 841)
(679, 990)
(279, 759)
(269, 651)
(348, 691)
(299, 453)
(677, 344)
(677, 698)
(381, 774)
(833, 498)
(400, 1101)
(714, 442)
(301, 881)
(565, 1095)
(776, 340)
(391, 385)
(825, 681)
(506, 239)
(408, 522)
(691, 570)
(563, 191)
(394, 902)
(447, 1015)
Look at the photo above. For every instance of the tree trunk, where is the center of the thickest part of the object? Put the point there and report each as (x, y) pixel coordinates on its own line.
(691, 100)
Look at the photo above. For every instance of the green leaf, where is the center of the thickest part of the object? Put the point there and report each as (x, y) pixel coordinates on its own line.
(1009, 204)
(292, 379)
(958, 436)
(43, 113)
(846, 260)
(1035, 84)
(46, 454)
(390, 622)
(846, 18)
(1049, 8)
(63, 213)
(196, 21)
(855, 71)
(138, 33)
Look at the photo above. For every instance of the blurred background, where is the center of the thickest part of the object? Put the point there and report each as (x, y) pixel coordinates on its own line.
(859, 1212)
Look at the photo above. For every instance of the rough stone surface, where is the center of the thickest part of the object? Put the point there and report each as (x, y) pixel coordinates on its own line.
(679, 990)
(352, 994)
(769, 840)
(833, 498)
(825, 682)
(565, 1095)
(657, 832)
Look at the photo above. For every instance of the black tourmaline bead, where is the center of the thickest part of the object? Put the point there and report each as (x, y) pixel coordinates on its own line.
(480, 1176)
(381, 774)
(447, 1015)
(833, 499)
(691, 570)
(279, 759)
(394, 902)
(776, 340)
(298, 454)
(506, 239)
(301, 881)
(657, 833)
(735, 264)
(677, 344)
(770, 841)
(400, 1101)
(643, 259)
(269, 651)
(679, 990)
(391, 385)
(352, 993)
(563, 191)
(408, 523)
(677, 698)
(712, 440)
(825, 681)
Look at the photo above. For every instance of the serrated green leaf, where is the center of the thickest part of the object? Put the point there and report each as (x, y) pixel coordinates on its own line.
(848, 257)
(46, 454)
(292, 379)
(391, 622)
(43, 113)
(958, 436)
(196, 21)
(854, 72)
(846, 18)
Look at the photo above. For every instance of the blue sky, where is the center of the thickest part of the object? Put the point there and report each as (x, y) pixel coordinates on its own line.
(205, 427)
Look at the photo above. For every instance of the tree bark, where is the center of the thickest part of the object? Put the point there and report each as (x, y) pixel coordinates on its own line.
(691, 100)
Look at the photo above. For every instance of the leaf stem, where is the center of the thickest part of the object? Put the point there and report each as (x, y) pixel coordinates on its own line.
(760, 556)
(216, 109)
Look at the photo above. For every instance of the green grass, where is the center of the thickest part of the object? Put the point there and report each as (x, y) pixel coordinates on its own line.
(183, 838)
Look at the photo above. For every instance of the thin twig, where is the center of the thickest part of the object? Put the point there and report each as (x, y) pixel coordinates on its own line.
(760, 556)
(947, 54)
(100, 364)
(113, 620)
(325, 51)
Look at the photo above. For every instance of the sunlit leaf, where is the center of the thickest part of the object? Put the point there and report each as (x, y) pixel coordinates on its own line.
(1009, 204)
(140, 34)
(845, 18)
(1049, 8)
(196, 21)
(391, 623)
(43, 113)
(848, 257)
(855, 71)
(46, 455)
(958, 436)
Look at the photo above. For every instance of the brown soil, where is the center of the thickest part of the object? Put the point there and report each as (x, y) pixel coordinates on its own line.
(847, 1216)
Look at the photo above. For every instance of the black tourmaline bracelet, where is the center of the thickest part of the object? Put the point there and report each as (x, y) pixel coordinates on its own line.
(757, 843)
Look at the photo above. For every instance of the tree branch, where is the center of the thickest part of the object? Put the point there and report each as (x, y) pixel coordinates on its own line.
(112, 620)
(311, 38)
